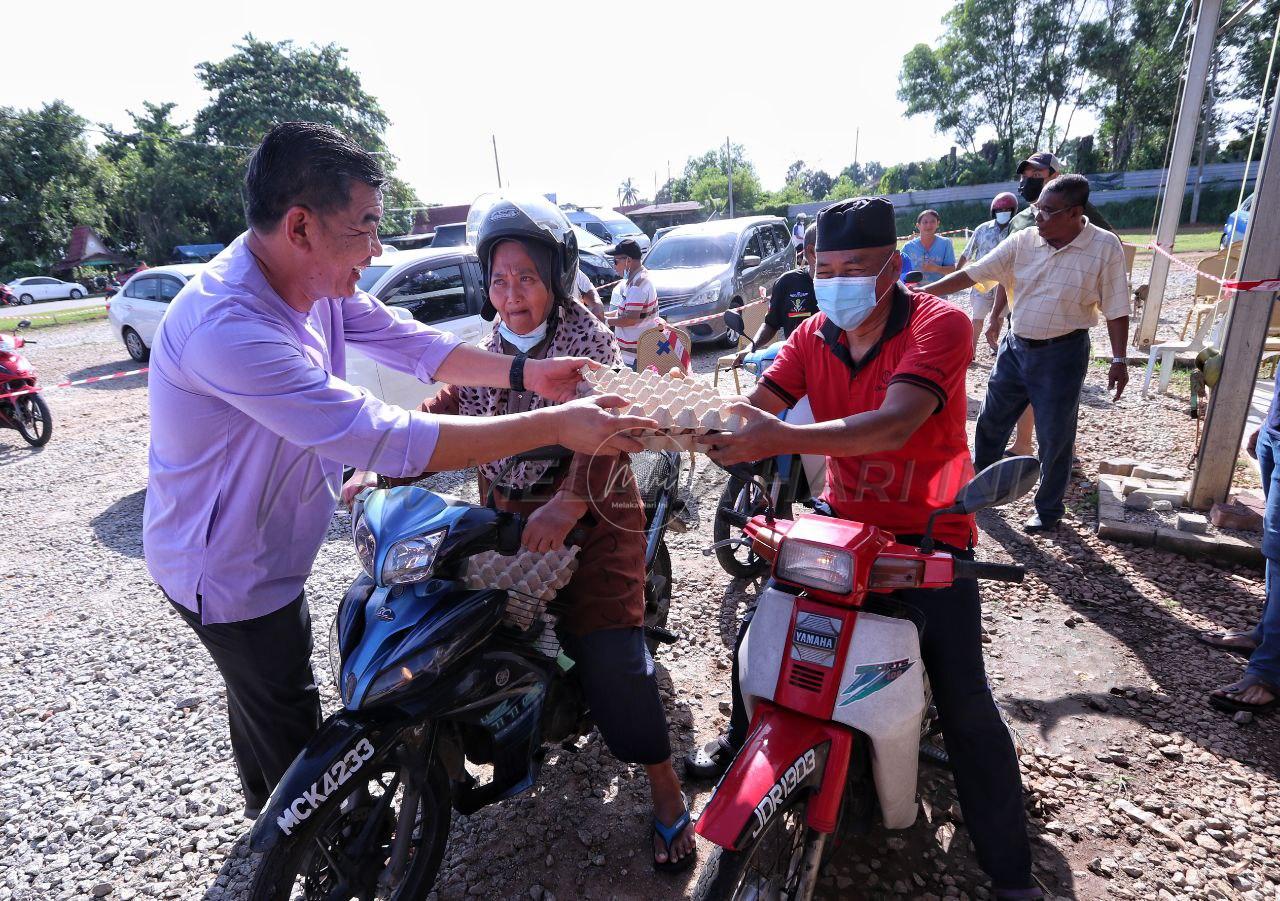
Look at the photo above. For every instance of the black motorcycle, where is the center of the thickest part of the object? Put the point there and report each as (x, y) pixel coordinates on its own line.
(432, 675)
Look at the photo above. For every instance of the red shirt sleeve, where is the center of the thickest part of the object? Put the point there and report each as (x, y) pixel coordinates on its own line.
(939, 351)
(786, 376)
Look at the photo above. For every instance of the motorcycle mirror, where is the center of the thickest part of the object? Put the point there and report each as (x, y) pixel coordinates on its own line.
(914, 277)
(733, 319)
(24, 323)
(1000, 483)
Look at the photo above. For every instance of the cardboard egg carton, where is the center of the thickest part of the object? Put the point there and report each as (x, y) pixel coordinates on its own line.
(683, 408)
(531, 579)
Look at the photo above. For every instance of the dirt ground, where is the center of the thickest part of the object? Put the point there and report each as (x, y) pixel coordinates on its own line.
(116, 779)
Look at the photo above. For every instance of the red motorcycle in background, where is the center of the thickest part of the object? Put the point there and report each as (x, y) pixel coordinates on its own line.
(21, 407)
(7, 297)
(831, 675)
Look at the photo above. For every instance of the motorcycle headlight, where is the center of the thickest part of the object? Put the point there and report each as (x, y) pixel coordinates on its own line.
(411, 559)
(815, 566)
(707, 295)
(362, 536)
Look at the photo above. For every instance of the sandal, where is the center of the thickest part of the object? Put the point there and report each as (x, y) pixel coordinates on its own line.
(711, 760)
(1220, 700)
(669, 834)
(1222, 641)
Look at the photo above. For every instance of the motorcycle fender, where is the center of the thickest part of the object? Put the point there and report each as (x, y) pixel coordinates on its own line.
(784, 753)
(321, 774)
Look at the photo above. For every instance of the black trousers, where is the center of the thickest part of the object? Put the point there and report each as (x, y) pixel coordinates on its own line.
(273, 704)
(983, 759)
(618, 678)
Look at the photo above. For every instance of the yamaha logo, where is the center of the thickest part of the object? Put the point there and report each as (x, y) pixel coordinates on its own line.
(814, 639)
(386, 614)
(502, 677)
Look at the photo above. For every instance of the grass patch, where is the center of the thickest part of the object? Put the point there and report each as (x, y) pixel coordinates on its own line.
(1189, 239)
(49, 320)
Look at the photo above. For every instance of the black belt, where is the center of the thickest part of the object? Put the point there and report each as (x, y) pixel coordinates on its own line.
(1042, 342)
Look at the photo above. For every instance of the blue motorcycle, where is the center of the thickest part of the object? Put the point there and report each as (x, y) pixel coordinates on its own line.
(431, 675)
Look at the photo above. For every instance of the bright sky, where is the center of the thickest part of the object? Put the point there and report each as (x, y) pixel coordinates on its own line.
(580, 95)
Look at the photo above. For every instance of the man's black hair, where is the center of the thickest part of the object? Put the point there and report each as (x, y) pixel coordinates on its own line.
(305, 164)
(1074, 189)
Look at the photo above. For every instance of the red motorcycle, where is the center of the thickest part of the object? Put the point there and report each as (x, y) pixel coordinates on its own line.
(7, 297)
(831, 675)
(21, 407)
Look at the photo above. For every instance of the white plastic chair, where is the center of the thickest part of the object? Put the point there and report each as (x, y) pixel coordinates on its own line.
(1167, 352)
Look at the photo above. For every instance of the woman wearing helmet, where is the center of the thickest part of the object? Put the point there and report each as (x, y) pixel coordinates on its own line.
(984, 239)
(529, 257)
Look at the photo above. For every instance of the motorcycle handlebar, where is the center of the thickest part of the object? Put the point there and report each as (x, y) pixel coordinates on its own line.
(995, 572)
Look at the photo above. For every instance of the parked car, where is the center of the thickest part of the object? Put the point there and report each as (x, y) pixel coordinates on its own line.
(41, 287)
(136, 309)
(704, 269)
(1236, 224)
(608, 225)
(439, 286)
(452, 235)
(593, 261)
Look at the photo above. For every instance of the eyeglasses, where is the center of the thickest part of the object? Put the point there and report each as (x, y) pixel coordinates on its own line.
(1040, 212)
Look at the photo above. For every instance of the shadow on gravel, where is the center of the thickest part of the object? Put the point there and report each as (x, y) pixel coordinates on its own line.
(17, 451)
(1165, 647)
(132, 381)
(119, 527)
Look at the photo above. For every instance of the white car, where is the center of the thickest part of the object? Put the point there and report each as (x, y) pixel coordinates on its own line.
(41, 287)
(440, 286)
(137, 308)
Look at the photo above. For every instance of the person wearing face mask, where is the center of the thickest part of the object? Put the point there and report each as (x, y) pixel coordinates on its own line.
(791, 301)
(983, 240)
(634, 305)
(884, 371)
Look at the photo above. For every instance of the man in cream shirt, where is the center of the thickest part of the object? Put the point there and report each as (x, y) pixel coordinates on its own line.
(1059, 276)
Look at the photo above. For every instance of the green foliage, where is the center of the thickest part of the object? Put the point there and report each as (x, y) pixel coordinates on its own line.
(49, 182)
(705, 178)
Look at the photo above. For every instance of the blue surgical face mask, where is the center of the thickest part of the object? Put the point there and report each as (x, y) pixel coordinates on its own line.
(848, 300)
(524, 343)
(1003, 217)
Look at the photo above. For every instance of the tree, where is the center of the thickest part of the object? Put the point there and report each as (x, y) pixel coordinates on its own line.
(818, 184)
(796, 171)
(627, 193)
(1008, 65)
(705, 179)
(50, 182)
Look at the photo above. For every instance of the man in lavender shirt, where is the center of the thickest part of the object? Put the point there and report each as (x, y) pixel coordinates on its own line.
(251, 423)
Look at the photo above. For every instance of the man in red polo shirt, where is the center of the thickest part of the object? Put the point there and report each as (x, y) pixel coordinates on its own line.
(884, 371)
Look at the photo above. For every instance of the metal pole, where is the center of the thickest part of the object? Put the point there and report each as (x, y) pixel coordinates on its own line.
(1184, 139)
(728, 157)
(857, 134)
(1246, 333)
(495, 160)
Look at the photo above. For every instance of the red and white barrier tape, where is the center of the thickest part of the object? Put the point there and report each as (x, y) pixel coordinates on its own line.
(1264, 284)
(955, 231)
(683, 322)
(73, 382)
(6, 314)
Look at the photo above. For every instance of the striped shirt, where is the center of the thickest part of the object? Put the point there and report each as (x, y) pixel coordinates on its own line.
(1056, 290)
(635, 296)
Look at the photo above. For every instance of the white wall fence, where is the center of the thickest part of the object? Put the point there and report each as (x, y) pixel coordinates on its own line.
(1105, 187)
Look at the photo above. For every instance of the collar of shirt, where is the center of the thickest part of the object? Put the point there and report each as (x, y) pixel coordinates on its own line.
(837, 341)
(1079, 242)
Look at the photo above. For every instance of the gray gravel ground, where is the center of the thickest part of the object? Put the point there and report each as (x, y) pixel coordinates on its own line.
(115, 772)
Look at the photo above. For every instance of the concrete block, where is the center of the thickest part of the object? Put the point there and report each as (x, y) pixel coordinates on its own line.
(1162, 506)
(1145, 498)
(1253, 500)
(1110, 489)
(1144, 471)
(1131, 533)
(1235, 516)
(1186, 543)
(1117, 466)
(1192, 522)
(1162, 485)
(1130, 485)
(1245, 551)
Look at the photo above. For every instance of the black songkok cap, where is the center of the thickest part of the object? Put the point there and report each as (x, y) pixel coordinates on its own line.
(856, 223)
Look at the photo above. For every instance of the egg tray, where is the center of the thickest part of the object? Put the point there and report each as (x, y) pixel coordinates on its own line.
(530, 579)
(682, 408)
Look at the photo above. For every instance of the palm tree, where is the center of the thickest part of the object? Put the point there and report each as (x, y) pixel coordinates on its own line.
(627, 193)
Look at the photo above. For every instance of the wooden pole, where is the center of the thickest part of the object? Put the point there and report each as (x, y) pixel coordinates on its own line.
(1246, 332)
(1175, 188)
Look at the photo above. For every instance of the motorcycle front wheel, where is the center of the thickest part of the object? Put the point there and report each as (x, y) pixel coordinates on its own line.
(33, 419)
(742, 562)
(770, 867)
(350, 850)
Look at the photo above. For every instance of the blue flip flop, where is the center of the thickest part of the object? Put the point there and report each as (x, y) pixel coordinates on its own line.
(669, 834)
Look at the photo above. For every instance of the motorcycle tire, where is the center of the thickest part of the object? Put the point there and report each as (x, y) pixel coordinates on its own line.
(742, 562)
(767, 866)
(657, 605)
(33, 419)
(303, 865)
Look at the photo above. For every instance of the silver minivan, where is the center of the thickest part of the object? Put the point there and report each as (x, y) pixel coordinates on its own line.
(704, 269)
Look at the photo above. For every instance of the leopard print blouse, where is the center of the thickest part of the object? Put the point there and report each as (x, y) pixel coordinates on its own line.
(578, 334)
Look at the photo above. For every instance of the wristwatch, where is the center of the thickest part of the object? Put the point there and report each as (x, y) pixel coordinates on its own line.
(1115, 360)
(517, 372)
